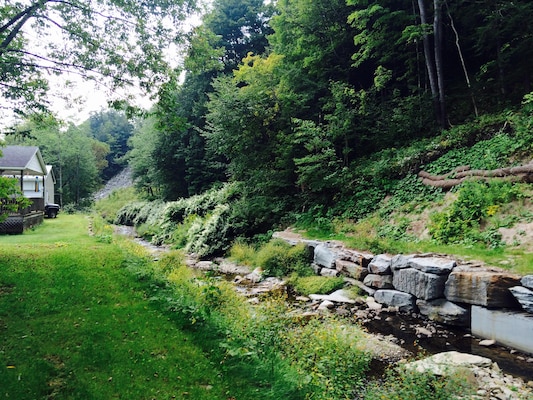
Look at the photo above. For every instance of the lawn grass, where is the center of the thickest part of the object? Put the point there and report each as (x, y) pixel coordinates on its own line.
(74, 324)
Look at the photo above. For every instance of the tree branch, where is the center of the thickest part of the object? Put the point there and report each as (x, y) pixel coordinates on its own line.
(22, 18)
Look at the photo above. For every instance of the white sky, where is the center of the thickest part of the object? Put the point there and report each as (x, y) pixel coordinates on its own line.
(73, 99)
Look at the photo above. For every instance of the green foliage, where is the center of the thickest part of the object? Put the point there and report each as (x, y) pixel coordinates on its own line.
(476, 202)
(307, 285)
(327, 355)
(128, 48)
(109, 206)
(402, 384)
(278, 258)
(11, 198)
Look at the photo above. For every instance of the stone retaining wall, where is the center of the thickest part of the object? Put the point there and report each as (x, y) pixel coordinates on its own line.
(494, 303)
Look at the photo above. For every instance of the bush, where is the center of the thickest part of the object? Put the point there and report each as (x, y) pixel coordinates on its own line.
(278, 258)
(402, 384)
(315, 284)
(476, 201)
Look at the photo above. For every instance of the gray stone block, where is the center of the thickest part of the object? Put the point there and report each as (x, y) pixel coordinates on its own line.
(380, 265)
(394, 298)
(324, 256)
(420, 284)
(527, 281)
(379, 281)
(524, 297)
(444, 311)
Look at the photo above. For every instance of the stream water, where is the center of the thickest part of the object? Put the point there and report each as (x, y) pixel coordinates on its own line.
(445, 338)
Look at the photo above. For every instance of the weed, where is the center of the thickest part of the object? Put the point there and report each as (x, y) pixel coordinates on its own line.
(315, 284)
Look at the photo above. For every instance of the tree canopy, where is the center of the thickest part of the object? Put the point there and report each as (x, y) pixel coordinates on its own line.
(115, 42)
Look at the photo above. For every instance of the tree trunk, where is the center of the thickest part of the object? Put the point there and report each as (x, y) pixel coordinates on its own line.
(437, 35)
(430, 64)
(463, 64)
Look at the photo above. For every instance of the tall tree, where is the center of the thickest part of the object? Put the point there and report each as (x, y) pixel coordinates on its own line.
(115, 42)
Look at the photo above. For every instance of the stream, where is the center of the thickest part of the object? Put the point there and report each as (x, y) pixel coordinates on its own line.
(405, 331)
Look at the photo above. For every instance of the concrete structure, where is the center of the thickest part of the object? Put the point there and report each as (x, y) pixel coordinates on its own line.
(510, 328)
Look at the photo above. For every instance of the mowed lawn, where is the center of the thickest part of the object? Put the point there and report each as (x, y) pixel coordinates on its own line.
(75, 324)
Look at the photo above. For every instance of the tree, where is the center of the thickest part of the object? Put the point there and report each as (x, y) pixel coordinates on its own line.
(115, 42)
(75, 156)
(112, 128)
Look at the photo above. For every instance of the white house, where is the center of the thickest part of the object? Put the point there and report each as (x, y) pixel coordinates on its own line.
(37, 179)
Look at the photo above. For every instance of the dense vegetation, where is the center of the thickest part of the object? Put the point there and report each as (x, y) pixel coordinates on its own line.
(319, 112)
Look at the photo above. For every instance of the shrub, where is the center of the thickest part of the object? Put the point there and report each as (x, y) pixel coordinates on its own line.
(315, 284)
(476, 201)
(402, 384)
(278, 258)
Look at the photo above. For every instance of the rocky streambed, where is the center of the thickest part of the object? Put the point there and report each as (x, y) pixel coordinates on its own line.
(394, 336)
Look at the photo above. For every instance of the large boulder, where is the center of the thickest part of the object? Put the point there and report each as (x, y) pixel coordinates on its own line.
(527, 281)
(351, 269)
(325, 256)
(420, 284)
(378, 281)
(444, 364)
(524, 297)
(380, 265)
(400, 261)
(483, 286)
(432, 265)
(444, 311)
(394, 298)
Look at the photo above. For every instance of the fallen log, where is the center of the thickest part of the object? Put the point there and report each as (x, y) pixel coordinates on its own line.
(522, 173)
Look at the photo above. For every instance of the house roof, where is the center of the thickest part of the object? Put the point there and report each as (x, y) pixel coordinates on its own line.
(21, 159)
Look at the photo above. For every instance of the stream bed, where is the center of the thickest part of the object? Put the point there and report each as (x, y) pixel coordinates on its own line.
(405, 330)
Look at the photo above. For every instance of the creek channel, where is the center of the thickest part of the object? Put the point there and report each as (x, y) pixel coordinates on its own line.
(405, 330)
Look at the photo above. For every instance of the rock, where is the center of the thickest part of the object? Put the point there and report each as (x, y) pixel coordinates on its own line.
(351, 269)
(255, 276)
(324, 256)
(481, 286)
(380, 265)
(524, 297)
(420, 284)
(339, 296)
(329, 272)
(421, 331)
(527, 281)
(362, 259)
(445, 363)
(372, 304)
(378, 281)
(394, 298)
(444, 311)
(487, 342)
(432, 265)
(326, 305)
(400, 262)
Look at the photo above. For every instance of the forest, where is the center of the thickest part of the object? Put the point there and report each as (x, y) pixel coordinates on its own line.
(297, 111)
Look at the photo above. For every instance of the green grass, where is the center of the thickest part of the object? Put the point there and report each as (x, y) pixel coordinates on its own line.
(75, 324)
(109, 207)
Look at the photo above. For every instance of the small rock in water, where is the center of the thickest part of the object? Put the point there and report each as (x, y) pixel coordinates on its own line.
(423, 331)
(487, 342)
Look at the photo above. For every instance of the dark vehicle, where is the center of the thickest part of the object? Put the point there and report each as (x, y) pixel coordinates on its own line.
(51, 210)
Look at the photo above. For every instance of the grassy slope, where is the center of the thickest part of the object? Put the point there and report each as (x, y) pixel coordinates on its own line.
(74, 324)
